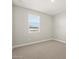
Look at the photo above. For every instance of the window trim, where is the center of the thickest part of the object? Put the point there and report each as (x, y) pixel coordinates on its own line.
(33, 30)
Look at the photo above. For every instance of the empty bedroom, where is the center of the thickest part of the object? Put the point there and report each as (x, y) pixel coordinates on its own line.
(39, 29)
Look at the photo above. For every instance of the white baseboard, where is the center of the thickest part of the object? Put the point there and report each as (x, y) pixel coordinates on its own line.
(62, 41)
(26, 44)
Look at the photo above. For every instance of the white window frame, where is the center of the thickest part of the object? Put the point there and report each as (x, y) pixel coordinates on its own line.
(33, 30)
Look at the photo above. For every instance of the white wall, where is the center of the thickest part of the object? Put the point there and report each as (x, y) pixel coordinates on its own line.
(20, 24)
(60, 26)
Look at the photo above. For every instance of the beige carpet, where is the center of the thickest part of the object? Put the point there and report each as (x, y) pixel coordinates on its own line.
(45, 50)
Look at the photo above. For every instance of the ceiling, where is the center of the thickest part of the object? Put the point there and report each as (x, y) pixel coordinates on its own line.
(45, 6)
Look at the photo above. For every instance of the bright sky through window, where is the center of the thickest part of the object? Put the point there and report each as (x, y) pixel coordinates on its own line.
(34, 21)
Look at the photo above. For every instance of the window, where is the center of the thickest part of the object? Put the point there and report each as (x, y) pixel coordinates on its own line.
(34, 23)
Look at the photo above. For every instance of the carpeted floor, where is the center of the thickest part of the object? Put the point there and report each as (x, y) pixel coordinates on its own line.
(45, 50)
